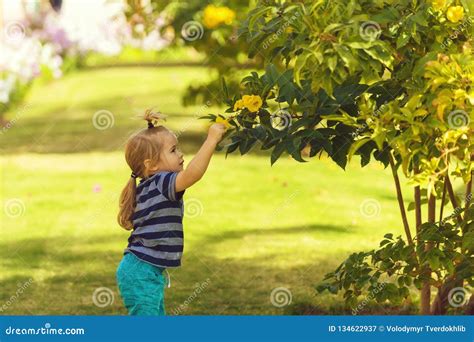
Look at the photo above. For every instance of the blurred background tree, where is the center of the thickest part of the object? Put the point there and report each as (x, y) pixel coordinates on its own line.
(208, 27)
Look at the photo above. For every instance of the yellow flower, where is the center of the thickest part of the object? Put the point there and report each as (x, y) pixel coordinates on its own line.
(455, 13)
(239, 104)
(223, 121)
(215, 16)
(439, 4)
(252, 102)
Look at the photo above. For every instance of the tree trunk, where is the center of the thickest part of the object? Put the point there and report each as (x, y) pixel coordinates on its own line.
(418, 209)
(470, 307)
(453, 199)
(426, 288)
(441, 302)
(401, 203)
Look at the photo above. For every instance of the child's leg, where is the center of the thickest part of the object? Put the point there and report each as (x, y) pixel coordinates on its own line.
(161, 306)
(141, 286)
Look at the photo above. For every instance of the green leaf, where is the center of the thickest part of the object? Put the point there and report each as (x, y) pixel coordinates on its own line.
(347, 57)
(468, 240)
(403, 40)
(255, 15)
(332, 63)
(356, 146)
(272, 73)
(379, 137)
(225, 91)
(300, 64)
(433, 260)
(277, 151)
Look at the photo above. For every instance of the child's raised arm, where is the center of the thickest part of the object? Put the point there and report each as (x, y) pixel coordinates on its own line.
(198, 165)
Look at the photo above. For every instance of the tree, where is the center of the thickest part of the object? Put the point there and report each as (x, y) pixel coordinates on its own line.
(390, 81)
(208, 27)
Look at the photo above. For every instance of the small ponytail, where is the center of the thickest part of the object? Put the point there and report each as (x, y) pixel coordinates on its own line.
(127, 204)
(152, 117)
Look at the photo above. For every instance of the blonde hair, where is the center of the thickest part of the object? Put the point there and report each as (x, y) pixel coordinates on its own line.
(146, 144)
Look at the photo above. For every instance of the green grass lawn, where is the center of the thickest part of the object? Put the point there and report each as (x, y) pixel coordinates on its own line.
(249, 227)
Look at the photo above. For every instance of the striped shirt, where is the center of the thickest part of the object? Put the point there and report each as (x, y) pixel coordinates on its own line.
(157, 235)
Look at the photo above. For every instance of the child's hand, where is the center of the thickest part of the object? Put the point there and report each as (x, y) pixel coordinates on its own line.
(216, 132)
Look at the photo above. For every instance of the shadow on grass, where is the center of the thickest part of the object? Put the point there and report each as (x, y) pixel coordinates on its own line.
(77, 135)
(238, 234)
(71, 128)
(63, 276)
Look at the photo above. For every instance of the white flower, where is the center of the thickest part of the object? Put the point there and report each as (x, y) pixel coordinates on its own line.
(6, 87)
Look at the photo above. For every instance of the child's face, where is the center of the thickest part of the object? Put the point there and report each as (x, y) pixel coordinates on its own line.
(171, 158)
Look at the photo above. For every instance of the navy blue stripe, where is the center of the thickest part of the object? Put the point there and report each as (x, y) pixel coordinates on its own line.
(161, 205)
(139, 189)
(150, 194)
(144, 182)
(161, 235)
(160, 248)
(166, 185)
(179, 195)
(156, 261)
(160, 220)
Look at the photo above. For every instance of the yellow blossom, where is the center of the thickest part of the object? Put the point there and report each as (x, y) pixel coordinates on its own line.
(223, 121)
(252, 102)
(239, 104)
(215, 16)
(455, 13)
(439, 4)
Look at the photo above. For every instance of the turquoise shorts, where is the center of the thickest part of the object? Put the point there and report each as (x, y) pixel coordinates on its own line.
(141, 286)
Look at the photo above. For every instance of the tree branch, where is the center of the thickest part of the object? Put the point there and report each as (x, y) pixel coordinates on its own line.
(400, 199)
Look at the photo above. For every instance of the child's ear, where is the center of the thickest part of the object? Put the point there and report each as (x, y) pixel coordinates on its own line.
(149, 165)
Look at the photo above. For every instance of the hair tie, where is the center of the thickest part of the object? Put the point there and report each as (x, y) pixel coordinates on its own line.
(133, 175)
(150, 124)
